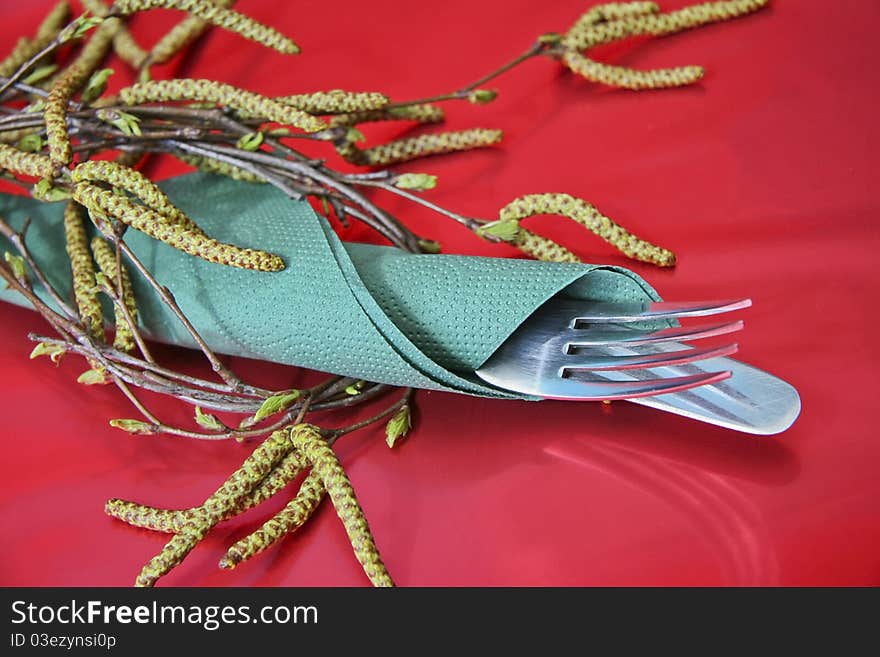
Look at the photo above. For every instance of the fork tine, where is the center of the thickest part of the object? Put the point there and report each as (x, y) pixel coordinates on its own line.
(661, 359)
(609, 338)
(608, 390)
(547, 357)
(618, 313)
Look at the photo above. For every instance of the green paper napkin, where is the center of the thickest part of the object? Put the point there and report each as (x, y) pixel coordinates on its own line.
(370, 312)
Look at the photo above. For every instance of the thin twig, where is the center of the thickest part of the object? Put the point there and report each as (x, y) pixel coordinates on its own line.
(167, 297)
(334, 434)
(18, 241)
(536, 49)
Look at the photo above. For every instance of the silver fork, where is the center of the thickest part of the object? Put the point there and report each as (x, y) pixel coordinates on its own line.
(570, 349)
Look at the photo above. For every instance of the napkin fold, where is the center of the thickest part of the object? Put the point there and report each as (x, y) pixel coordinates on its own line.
(371, 312)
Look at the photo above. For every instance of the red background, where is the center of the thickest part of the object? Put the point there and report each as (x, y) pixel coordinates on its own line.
(760, 178)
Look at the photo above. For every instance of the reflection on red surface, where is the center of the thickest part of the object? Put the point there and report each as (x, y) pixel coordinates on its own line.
(726, 520)
(760, 178)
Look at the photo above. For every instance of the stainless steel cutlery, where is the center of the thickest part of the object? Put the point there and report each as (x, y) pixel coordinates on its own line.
(575, 350)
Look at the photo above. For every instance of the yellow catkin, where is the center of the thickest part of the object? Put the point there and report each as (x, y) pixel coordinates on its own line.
(235, 490)
(403, 150)
(26, 164)
(286, 471)
(136, 184)
(289, 519)
(105, 256)
(93, 51)
(209, 91)
(176, 39)
(128, 49)
(13, 136)
(26, 48)
(55, 116)
(171, 555)
(97, 7)
(660, 24)
(307, 438)
(542, 248)
(226, 498)
(23, 50)
(213, 13)
(434, 144)
(124, 44)
(161, 228)
(83, 271)
(421, 113)
(140, 515)
(180, 36)
(208, 165)
(627, 78)
(587, 216)
(54, 21)
(68, 83)
(336, 101)
(173, 520)
(613, 11)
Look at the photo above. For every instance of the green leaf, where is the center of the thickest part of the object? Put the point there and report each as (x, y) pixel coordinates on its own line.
(353, 135)
(550, 39)
(325, 205)
(78, 28)
(398, 426)
(44, 191)
(125, 122)
(40, 73)
(482, 96)
(133, 426)
(93, 377)
(430, 246)
(355, 388)
(16, 264)
(208, 421)
(96, 85)
(505, 230)
(32, 143)
(38, 106)
(250, 141)
(275, 404)
(53, 351)
(128, 123)
(417, 181)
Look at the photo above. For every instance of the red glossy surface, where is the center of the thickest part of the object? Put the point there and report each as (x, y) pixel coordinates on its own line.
(761, 178)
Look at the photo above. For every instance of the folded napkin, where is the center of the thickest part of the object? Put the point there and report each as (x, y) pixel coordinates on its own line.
(370, 312)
